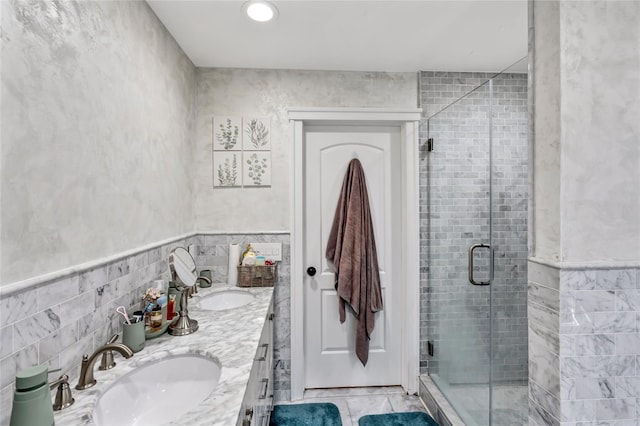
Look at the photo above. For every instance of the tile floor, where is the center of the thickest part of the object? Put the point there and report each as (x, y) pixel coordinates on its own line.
(354, 403)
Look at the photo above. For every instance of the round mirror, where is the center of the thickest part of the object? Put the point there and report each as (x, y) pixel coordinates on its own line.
(183, 267)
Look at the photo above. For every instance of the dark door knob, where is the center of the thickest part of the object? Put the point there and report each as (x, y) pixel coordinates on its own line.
(311, 271)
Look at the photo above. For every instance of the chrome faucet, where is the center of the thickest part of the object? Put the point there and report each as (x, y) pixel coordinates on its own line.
(86, 379)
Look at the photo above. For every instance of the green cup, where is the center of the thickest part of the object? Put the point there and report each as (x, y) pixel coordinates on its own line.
(133, 335)
(205, 273)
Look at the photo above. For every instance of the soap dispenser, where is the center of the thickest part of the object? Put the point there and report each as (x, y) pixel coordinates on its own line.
(32, 399)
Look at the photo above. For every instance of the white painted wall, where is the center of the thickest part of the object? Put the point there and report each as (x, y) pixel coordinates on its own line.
(270, 93)
(97, 112)
(587, 143)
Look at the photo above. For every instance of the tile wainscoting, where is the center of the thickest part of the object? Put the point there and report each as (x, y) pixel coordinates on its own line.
(55, 321)
(584, 345)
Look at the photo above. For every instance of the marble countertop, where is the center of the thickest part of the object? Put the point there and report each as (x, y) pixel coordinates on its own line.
(230, 337)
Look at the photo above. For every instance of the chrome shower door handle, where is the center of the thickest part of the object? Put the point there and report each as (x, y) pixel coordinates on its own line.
(471, 249)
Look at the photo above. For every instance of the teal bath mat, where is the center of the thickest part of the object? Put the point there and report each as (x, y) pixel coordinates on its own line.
(324, 414)
(398, 419)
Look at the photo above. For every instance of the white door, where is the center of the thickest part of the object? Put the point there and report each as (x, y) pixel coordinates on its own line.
(329, 347)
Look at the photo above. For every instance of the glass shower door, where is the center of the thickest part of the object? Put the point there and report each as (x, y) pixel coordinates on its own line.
(459, 237)
(476, 205)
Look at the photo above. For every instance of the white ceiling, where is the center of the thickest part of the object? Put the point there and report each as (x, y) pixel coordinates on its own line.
(348, 35)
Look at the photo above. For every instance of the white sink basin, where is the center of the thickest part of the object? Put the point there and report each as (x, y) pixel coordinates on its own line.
(226, 299)
(158, 393)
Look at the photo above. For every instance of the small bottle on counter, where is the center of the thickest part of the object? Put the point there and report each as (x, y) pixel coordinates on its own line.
(156, 317)
(171, 307)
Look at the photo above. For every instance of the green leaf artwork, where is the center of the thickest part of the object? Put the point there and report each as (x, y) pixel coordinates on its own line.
(257, 168)
(228, 172)
(228, 135)
(257, 132)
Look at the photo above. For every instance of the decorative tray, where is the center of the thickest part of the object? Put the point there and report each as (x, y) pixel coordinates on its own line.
(150, 333)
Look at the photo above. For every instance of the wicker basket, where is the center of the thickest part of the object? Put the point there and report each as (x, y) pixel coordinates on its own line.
(257, 276)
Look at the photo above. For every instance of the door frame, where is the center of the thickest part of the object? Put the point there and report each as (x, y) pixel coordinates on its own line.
(408, 120)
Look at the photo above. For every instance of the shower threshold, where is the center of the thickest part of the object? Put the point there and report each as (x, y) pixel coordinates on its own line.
(510, 403)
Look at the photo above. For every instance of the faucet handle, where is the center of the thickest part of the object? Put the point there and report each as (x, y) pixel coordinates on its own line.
(64, 398)
(107, 362)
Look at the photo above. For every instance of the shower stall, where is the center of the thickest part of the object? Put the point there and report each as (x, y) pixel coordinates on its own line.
(474, 199)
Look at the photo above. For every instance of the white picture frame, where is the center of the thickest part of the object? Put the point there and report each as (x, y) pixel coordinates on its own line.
(256, 133)
(227, 133)
(256, 166)
(227, 169)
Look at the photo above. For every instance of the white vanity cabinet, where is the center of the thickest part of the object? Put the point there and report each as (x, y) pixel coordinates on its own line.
(258, 398)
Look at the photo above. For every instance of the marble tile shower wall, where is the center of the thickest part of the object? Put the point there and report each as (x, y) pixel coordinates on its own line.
(585, 341)
(212, 252)
(56, 322)
(454, 206)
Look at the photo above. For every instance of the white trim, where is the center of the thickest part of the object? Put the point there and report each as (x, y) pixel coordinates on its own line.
(297, 267)
(34, 282)
(408, 119)
(411, 256)
(19, 286)
(399, 115)
(592, 264)
(243, 232)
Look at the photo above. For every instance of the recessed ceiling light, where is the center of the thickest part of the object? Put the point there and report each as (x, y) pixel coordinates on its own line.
(260, 10)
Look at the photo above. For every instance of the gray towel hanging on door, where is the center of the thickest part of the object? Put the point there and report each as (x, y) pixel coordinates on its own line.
(352, 250)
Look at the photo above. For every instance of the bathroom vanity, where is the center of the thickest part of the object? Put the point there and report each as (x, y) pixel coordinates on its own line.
(239, 339)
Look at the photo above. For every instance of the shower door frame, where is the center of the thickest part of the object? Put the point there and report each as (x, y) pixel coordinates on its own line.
(408, 120)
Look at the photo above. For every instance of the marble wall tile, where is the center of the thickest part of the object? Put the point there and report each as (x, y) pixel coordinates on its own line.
(627, 300)
(92, 279)
(6, 341)
(544, 275)
(35, 327)
(544, 317)
(56, 335)
(588, 301)
(577, 322)
(26, 357)
(579, 367)
(567, 388)
(75, 308)
(615, 409)
(545, 296)
(615, 279)
(615, 322)
(54, 343)
(543, 337)
(538, 416)
(6, 401)
(577, 280)
(544, 369)
(118, 269)
(587, 344)
(627, 387)
(594, 388)
(14, 307)
(543, 398)
(578, 410)
(7, 371)
(627, 344)
(58, 291)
